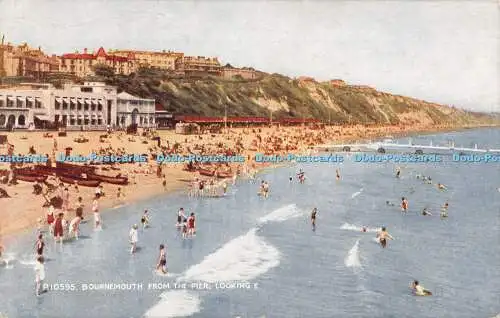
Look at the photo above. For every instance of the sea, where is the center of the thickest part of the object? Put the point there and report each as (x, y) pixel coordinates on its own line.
(257, 257)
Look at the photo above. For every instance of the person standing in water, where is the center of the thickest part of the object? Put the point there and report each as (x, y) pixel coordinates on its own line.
(313, 218)
(95, 210)
(180, 217)
(404, 205)
(162, 260)
(224, 188)
(337, 174)
(191, 225)
(383, 236)
(398, 172)
(74, 227)
(134, 238)
(145, 219)
(39, 275)
(79, 208)
(59, 228)
(50, 218)
(39, 245)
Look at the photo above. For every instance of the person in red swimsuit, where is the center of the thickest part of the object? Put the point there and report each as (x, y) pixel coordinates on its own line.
(191, 225)
(50, 217)
(59, 228)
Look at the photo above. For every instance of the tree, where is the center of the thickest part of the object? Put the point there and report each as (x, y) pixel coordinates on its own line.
(104, 70)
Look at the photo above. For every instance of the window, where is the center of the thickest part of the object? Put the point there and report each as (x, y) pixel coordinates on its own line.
(72, 121)
(99, 107)
(86, 89)
(86, 121)
(92, 122)
(79, 121)
(57, 104)
(2, 120)
(2, 103)
(86, 106)
(92, 107)
(38, 104)
(29, 103)
(72, 105)
(21, 120)
(64, 105)
(99, 121)
(79, 105)
(56, 118)
(19, 103)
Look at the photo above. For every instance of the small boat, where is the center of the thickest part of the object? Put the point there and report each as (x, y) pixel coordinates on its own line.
(30, 178)
(207, 173)
(80, 181)
(223, 175)
(73, 167)
(108, 179)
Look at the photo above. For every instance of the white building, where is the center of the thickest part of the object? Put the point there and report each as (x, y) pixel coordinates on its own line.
(134, 110)
(91, 106)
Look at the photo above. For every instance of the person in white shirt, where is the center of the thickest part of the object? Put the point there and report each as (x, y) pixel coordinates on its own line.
(39, 275)
(133, 237)
(74, 227)
(418, 289)
(95, 209)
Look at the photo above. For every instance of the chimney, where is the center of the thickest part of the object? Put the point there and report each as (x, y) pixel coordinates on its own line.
(85, 51)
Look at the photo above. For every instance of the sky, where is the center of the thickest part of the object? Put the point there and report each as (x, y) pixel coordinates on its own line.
(442, 51)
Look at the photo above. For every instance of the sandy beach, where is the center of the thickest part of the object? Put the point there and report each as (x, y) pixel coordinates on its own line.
(24, 209)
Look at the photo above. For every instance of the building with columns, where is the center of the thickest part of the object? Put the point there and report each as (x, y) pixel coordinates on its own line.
(91, 106)
(135, 110)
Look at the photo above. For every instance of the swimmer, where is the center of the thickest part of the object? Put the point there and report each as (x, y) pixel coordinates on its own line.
(383, 236)
(133, 237)
(441, 186)
(184, 229)
(398, 172)
(419, 290)
(404, 205)
(145, 219)
(224, 188)
(364, 229)
(337, 174)
(425, 211)
(313, 218)
(290, 179)
(444, 210)
(39, 245)
(389, 203)
(162, 260)
(59, 228)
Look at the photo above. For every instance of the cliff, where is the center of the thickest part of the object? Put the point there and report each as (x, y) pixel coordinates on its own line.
(285, 97)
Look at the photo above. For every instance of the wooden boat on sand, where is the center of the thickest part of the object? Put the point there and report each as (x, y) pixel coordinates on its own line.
(80, 181)
(108, 179)
(30, 178)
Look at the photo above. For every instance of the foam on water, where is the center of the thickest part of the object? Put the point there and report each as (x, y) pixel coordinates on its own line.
(352, 227)
(282, 214)
(244, 258)
(175, 303)
(352, 258)
(356, 193)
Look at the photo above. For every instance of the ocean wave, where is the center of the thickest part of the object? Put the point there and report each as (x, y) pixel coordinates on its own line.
(282, 214)
(352, 227)
(244, 258)
(175, 303)
(352, 258)
(241, 259)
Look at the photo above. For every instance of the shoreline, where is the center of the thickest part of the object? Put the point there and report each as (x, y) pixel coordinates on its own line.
(146, 187)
